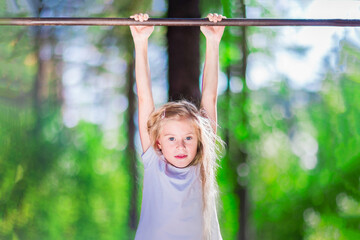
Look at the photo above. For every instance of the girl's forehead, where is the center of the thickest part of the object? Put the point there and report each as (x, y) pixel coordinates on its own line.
(178, 126)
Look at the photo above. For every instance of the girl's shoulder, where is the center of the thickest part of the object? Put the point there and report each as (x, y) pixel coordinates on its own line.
(149, 157)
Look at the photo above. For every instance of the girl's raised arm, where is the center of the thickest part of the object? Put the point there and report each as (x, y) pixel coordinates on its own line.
(213, 36)
(142, 74)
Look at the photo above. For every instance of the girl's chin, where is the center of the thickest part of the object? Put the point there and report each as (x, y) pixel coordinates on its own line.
(182, 166)
(180, 163)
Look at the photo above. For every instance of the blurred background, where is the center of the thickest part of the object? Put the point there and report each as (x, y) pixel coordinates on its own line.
(289, 111)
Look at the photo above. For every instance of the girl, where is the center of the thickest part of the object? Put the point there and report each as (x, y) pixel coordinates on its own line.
(180, 145)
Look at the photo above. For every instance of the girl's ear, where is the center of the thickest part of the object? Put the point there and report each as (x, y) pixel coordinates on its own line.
(158, 144)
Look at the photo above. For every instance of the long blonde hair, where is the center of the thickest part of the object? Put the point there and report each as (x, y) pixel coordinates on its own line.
(209, 145)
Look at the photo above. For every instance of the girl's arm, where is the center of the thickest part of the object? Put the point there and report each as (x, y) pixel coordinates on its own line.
(213, 36)
(142, 74)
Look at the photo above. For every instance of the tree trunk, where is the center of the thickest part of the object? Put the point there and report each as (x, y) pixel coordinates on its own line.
(131, 151)
(41, 83)
(242, 190)
(184, 53)
(236, 148)
(36, 163)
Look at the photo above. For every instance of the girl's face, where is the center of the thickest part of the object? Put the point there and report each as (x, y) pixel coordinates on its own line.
(178, 142)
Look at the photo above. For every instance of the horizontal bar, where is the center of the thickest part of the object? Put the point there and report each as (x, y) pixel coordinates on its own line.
(177, 22)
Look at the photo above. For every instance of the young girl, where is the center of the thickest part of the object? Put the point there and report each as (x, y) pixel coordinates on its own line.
(180, 150)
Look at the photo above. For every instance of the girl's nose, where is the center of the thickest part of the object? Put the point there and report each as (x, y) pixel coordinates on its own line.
(181, 144)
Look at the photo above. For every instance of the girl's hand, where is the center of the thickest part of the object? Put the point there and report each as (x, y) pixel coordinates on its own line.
(141, 32)
(213, 32)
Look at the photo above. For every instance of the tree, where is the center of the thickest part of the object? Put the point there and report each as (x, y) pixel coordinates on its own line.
(184, 51)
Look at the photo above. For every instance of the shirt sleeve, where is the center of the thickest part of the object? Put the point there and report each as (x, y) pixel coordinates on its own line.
(149, 157)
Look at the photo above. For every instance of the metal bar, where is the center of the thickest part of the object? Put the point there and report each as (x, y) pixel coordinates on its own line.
(177, 22)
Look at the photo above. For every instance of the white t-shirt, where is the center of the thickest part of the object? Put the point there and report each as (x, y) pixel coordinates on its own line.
(172, 201)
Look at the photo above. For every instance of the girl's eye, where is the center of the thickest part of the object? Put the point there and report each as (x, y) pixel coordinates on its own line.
(188, 138)
(171, 138)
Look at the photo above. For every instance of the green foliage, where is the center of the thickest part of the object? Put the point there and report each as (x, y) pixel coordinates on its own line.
(289, 198)
(62, 184)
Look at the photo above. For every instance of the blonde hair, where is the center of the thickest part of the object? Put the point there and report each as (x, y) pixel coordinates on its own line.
(209, 145)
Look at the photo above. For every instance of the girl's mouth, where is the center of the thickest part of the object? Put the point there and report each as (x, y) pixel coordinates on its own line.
(181, 156)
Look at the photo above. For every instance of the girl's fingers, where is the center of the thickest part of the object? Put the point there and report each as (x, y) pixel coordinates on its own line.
(146, 16)
(140, 17)
(219, 18)
(214, 17)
